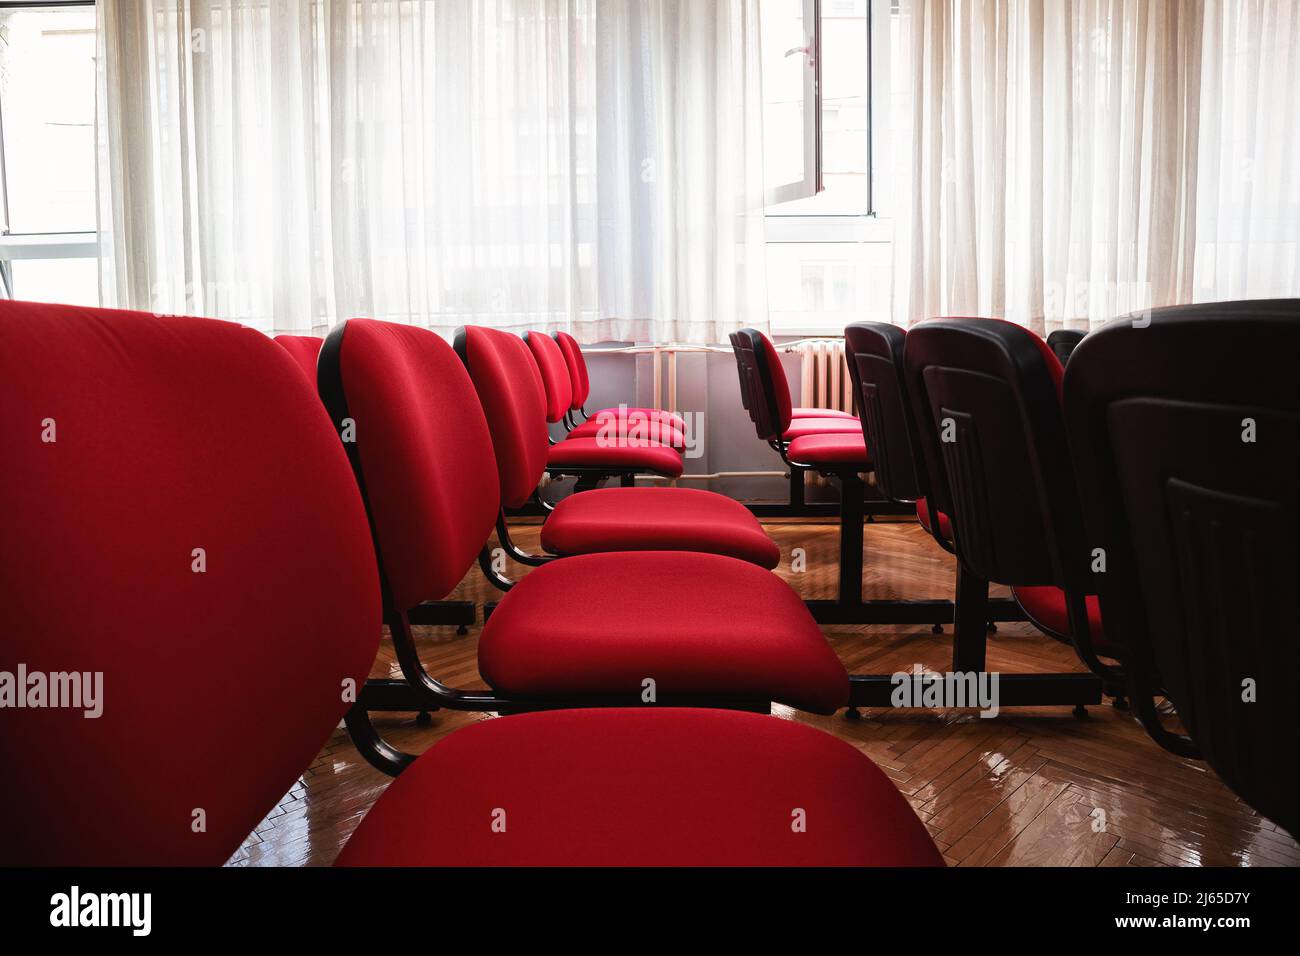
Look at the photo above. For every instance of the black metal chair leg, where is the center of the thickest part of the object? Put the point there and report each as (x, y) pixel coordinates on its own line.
(970, 640)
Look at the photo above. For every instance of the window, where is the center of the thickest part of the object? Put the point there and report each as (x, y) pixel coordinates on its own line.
(829, 256)
(47, 153)
(791, 164)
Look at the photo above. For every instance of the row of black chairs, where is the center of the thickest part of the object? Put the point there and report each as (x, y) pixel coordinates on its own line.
(1141, 502)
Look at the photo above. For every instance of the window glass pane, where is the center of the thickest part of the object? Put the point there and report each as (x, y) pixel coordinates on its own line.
(47, 106)
(844, 114)
(70, 281)
(817, 288)
(783, 36)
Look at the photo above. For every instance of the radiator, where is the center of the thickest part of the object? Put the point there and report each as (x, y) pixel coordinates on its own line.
(825, 379)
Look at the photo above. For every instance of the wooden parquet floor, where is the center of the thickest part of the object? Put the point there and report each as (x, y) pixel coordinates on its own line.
(1030, 787)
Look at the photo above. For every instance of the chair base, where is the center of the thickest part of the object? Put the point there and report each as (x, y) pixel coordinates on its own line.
(460, 614)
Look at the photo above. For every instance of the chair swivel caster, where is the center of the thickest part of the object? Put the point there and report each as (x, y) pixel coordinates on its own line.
(1080, 712)
(1119, 702)
(993, 628)
(462, 630)
(937, 629)
(853, 714)
(423, 719)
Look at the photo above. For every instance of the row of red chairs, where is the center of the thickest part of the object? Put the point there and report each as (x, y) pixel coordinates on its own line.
(182, 518)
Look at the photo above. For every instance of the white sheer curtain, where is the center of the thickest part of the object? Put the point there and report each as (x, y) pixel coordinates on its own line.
(1071, 160)
(592, 166)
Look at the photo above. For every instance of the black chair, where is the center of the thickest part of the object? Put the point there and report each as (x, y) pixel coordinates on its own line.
(1185, 432)
(1063, 341)
(875, 359)
(986, 397)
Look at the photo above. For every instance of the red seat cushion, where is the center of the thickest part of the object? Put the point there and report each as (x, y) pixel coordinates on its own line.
(304, 349)
(220, 681)
(671, 419)
(607, 424)
(822, 426)
(841, 449)
(657, 519)
(629, 453)
(820, 413)
(641, 787)
(923, 516)
(1045, 606)
(699, 625)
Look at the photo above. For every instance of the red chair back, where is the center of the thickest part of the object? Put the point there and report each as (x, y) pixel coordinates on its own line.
(510, 388)
(179, 518)
(420, 450)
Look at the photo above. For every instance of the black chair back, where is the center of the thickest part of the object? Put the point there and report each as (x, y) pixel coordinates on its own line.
(1185, 429)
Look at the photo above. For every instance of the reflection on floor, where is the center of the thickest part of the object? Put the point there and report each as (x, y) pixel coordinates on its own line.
(1029, 787)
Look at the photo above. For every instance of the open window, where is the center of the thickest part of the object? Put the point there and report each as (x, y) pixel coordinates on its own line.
(791, 38)
(48, 244)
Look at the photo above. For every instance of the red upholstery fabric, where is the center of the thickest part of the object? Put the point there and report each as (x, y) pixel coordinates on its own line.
(657, 519)
(780, 385)
(555, 374)
(611, 424)
(577, 366)
(670, 419)
(425, 452)
(699, 625)
(1045, 606)
(822, 426)
(218, 687)
(820, 413)
(923, 516)
(510, 389)
(633, 453)
(304, 349)
(641, 787)
(842, 449)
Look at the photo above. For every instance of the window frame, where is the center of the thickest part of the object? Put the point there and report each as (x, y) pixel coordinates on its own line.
(811, 183)
(835, 229)
(82, 244)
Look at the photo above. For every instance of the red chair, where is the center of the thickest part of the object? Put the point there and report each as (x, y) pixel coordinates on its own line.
(705, 629)
(601, 520)
(515, 399)
(304, 349)
(1184, 425)
(839, 453)
(581, 390)
(117, 470)
(610, 423)
(987, 400)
